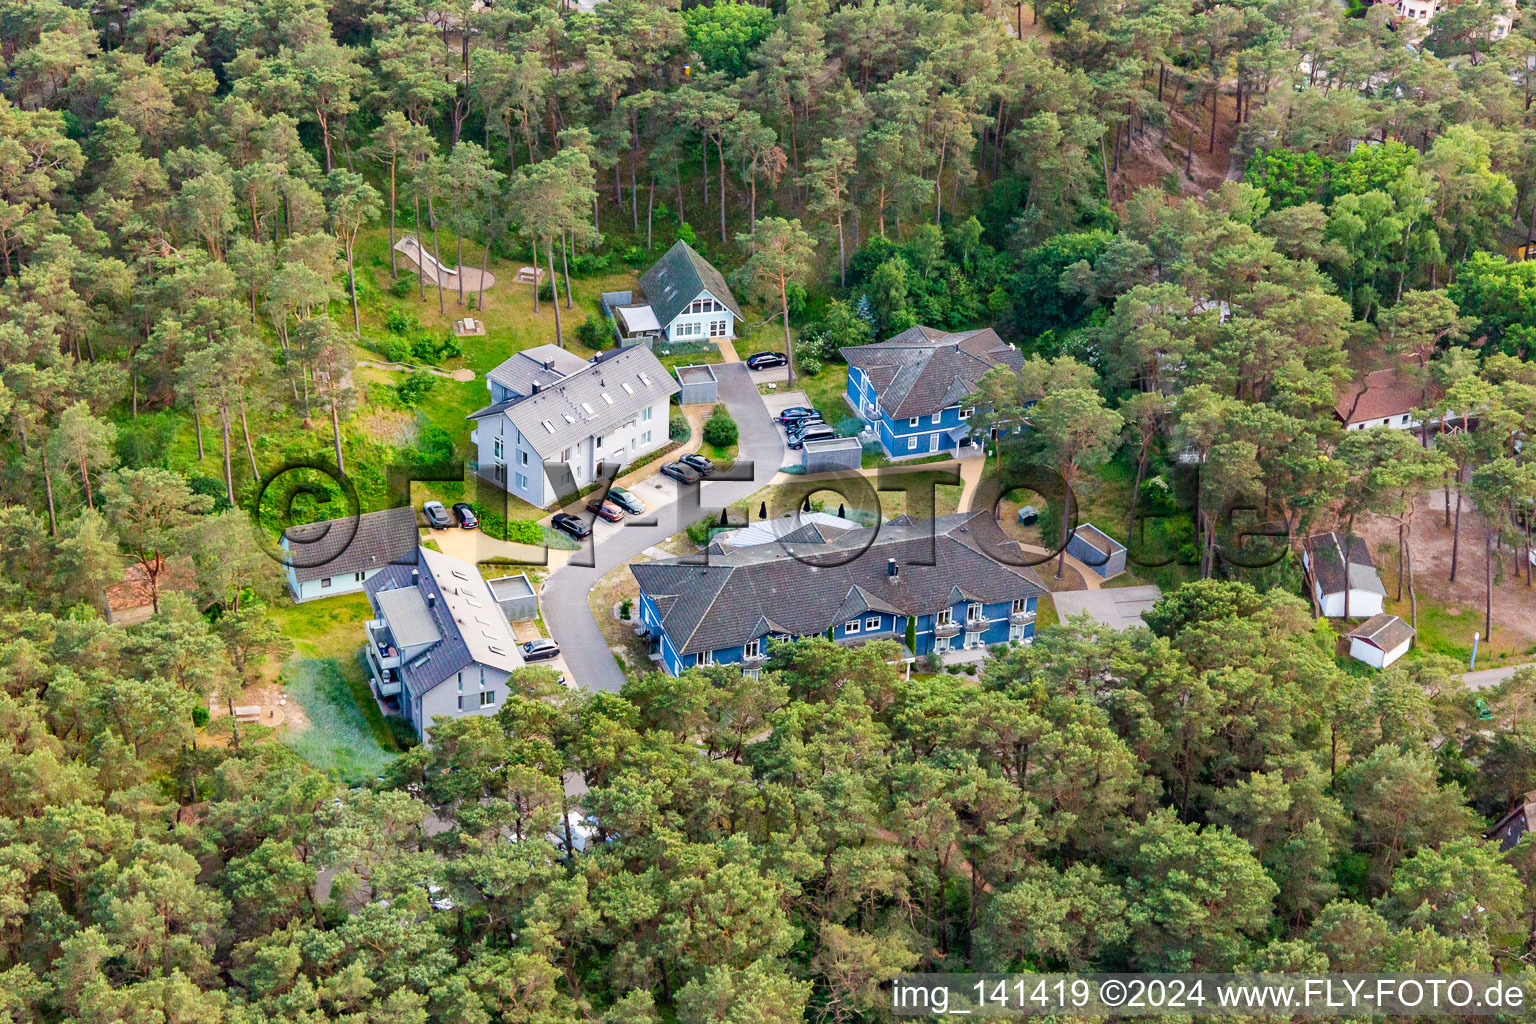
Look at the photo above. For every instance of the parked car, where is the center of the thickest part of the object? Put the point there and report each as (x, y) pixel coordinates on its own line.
(766, 360)
(681, 473)
(795, 412)
(437, 516)
(467, 517)
(626, 501)
(606, 509)
(698, 463)
(815, 432)
(439, 898)
(794, 426)
(540, 650)
(574, 526)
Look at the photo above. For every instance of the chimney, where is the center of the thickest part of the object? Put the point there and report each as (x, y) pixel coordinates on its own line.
(537, 387)
(415, 577)
(891, 568)
(431, 600)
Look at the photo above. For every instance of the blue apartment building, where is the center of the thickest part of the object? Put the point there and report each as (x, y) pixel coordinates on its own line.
(951, 577)
(910, 390)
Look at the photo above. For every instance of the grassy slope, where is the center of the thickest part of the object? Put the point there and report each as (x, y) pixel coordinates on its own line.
(346, 732)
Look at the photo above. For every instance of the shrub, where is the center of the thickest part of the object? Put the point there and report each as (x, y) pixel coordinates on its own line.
(399, 321)
(391, 348)
(720, 430)
(213, 488)
(595, 331)
(809, 367)
(970, 670)
(403, 287)
(677, 427)
(413, 390)
(547, 292)
(436, 350)
(624, 607)
(147, 440)
(404, 736)
(699, 532)
(199, 716)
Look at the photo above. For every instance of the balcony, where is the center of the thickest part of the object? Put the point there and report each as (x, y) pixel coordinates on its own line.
(381, 644)
(1021, 618)
(976, 623)
(950, 628)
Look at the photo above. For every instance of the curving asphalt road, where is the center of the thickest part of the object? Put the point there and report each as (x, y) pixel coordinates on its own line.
(564, 600)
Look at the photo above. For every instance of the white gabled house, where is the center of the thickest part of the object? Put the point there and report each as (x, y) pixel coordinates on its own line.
(549, 405)
(338, 556)
(681, 298)
(1344, 587)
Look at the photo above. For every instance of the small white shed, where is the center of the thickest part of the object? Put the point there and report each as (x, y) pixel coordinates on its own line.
(1380, 640)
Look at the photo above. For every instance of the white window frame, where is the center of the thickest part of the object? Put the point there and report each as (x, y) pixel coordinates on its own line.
(936, 417)
(941, 645)
(975, 611)
(945, 617)
(913, 421)
(752, 649)
(966, 414)
(912, 444)
(1019, 604)
(705, 658)
(497, 448)
(487, 698)
(850, 627)
(871, 623)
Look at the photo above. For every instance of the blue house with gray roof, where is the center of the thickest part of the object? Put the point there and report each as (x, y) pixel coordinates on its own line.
(951, 577)
(911, 389)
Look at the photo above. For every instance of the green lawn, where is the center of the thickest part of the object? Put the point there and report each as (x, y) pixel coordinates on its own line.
(338, 739)
(347, 733)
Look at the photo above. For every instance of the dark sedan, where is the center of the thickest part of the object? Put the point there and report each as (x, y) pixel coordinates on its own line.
(681, 473)
(766, 360)
(697, 463)
(540, 650)
(606, 509)
(795, 412)
(571, 525)
(437, 516)
(626, 501)
(467, 517)
(815, 432)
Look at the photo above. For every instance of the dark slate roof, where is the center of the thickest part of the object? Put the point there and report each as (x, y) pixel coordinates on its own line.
(340, 546)
(542, 365)
(601, 396)
(1383, 631)
(1327, 551)
(751, 592)
(1514, 824)
(454, 602)
(677, 279)
(921, 371)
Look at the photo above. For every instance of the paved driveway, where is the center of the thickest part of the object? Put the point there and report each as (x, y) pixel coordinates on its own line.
(564, 600)
(1117, 607)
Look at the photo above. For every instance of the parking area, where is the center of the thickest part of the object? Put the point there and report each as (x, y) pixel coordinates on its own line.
(772, 375)
(528, 629)
(777, 403)
(1117, 608)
